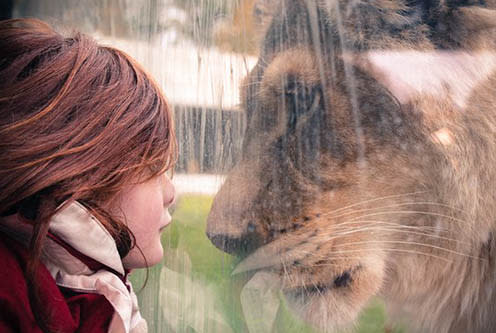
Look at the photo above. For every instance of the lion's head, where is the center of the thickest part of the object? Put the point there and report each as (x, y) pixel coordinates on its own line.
(355, 179)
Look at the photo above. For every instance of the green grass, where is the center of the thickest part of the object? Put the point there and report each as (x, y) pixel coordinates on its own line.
(193, 290)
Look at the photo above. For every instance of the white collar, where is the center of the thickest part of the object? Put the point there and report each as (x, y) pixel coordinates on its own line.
(75, 221)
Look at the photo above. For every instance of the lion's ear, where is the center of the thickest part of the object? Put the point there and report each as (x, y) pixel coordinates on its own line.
(476, 19)
(467, 27)
(263, 11)
(292, 82)
(302, 100)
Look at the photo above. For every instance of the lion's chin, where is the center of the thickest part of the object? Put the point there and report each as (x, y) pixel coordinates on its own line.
(330, 300)
(335, 307)
(325, 310)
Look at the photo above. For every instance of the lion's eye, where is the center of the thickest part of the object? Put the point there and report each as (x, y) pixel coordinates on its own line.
(300, 100)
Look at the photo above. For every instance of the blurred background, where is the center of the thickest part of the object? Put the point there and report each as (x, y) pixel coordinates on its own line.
(199, 51)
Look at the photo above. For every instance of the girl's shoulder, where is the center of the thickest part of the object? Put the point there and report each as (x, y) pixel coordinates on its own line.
(16, 314)
(66, 310)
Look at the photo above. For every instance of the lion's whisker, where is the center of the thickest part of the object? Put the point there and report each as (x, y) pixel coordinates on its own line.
(344, 230)
(437, 204)
(408, 232)
(434, 247)
(394, 227)
(418, 212)
(374, 200)
(398, 205)
(354, 223)
(391, 250)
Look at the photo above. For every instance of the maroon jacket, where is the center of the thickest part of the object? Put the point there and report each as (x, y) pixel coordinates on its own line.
(66, 310)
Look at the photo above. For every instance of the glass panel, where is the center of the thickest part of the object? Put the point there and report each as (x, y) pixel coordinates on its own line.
(335, 153)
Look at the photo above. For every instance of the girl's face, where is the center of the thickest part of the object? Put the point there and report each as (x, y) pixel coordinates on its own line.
(144, 207)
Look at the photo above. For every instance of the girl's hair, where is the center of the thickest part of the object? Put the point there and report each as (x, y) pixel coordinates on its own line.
(78, 121)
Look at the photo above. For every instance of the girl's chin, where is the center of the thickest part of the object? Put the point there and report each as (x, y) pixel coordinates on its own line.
(137, 259)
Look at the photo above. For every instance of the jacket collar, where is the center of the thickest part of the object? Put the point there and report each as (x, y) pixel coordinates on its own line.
(74, 231)
(76, 228)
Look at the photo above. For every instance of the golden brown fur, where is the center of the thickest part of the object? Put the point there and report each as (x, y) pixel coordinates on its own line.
(358, 179)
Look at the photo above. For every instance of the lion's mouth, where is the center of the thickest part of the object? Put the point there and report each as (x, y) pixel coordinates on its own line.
(281, 265)
(281, 252)
(310, 293)
(287, 255)
(343, 280)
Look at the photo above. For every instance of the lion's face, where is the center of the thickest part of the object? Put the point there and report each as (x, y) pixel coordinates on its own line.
(337, 174)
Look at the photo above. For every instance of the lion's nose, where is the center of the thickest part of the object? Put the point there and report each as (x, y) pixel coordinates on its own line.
(239, 246)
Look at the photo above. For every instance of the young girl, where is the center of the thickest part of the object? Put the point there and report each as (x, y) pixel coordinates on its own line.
(85, 140)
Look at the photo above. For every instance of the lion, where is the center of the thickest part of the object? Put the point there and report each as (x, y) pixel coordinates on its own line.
(368, 163)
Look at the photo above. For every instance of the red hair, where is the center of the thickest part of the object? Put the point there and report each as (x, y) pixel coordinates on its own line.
(78, 121)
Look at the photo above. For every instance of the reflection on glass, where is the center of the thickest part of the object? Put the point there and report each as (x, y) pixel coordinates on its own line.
(348, 145)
